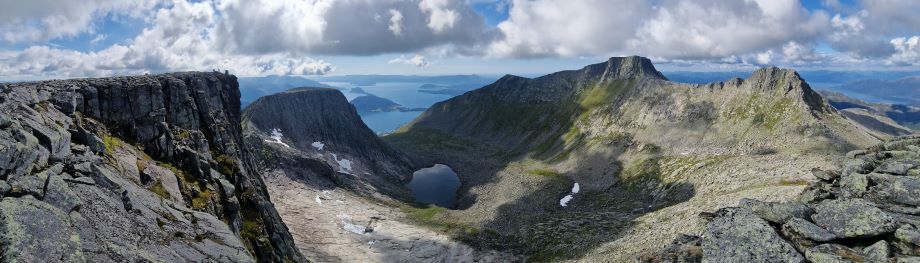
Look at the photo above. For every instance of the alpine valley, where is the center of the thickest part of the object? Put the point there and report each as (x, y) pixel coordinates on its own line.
(608, 163)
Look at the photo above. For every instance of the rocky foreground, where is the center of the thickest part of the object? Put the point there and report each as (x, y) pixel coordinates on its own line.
(132, 169)
(865, 212)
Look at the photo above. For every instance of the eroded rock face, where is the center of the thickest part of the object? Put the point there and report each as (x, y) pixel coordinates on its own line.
(144, 168)
(320, 123)
(866, 214)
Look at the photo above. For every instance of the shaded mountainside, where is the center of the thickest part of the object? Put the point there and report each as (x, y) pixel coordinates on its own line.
(320, 124)
(864, 211)
(334, 183)
(641, 148)
(904, 115)
(143, 168)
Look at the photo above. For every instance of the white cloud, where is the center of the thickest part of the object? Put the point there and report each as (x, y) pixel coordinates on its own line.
(97, 39)
(40, 20)
(441, 17)
(179, 39)
(908, 51)
(417, 60)
(395, 22)
(669, 28)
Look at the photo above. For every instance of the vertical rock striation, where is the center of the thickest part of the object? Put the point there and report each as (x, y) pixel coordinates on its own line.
(158, 158)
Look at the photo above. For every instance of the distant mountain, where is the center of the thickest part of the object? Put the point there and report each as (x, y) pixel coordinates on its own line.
(358, 90)
(251, 88)
(369, 80)
(903, 115)
(372, 103)
(901, 91)
(451, 90)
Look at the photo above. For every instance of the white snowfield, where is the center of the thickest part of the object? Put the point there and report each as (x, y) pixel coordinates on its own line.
(276, 137)
(318, 145)
(565, 200)
(344, 164)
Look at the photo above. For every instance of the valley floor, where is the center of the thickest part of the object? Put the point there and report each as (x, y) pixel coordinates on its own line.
(328, 226)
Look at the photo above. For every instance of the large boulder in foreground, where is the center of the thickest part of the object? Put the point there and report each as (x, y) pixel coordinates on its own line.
(737, 235)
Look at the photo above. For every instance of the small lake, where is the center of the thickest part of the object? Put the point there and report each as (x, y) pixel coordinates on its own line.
(435, 185)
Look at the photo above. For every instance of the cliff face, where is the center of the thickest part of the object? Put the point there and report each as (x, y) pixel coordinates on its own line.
(319, 124)
(132, 168)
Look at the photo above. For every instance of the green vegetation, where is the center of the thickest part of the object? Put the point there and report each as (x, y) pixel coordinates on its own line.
(160, 190)
(111, 143)
(201, 201)
(543, 172)
(428, 138)
(765, 112)
(227, 165)
(183, 134)
(431, 216)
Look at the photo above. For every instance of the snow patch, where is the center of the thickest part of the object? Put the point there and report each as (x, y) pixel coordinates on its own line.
(276, 137)
(318, 145)
(357, 229)
(344, 164)
(318, 201)
(565, 200)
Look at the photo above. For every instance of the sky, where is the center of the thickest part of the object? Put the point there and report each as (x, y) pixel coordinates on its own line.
(42, 39)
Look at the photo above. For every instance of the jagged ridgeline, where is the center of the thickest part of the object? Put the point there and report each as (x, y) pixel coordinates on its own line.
(553, 115)
(126, 169)
(643, 150)
(319, 124)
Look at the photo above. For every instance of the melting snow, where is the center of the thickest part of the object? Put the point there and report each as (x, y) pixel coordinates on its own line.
(565, 200)
(344, 164)
(318, 145)
(353, 228)
(276, 137)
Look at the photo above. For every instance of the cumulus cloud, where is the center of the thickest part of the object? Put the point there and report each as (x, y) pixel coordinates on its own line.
(40, 20)
(672, 29)
(349, 27)
(178, 39)
(395, 22)
(417, 60)
(907, 51)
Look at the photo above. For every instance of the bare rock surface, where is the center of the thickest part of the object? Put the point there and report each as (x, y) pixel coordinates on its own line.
(874, 225)
(132, 169)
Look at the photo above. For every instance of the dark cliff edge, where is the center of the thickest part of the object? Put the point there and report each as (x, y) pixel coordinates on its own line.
(140, 168)
(324, 129)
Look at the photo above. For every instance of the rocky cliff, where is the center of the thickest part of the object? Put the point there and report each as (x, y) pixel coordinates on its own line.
(617, 148)
(865, 211)
(143, 168)
(320, 126)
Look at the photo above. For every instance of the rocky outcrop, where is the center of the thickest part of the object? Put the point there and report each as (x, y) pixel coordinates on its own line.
(143, 168)
(872, 218)
(320, 131)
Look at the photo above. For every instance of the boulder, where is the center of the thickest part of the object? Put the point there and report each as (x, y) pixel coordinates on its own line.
(35, 231)
(777, 212)
(833, 253)
(809, 230)
(738, 235)
(895, 168)
(4, 188)
(824, 175)
(852, 218)
(878, 252)
(854, 185)
(903, 190)
(58, 194)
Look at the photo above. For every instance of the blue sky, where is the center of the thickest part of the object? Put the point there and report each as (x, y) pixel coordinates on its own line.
(49, 39)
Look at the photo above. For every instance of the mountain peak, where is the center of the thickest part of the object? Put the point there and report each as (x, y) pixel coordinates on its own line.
(628, 67)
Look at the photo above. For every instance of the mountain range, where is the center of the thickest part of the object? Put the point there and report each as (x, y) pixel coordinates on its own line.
(609, 162)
